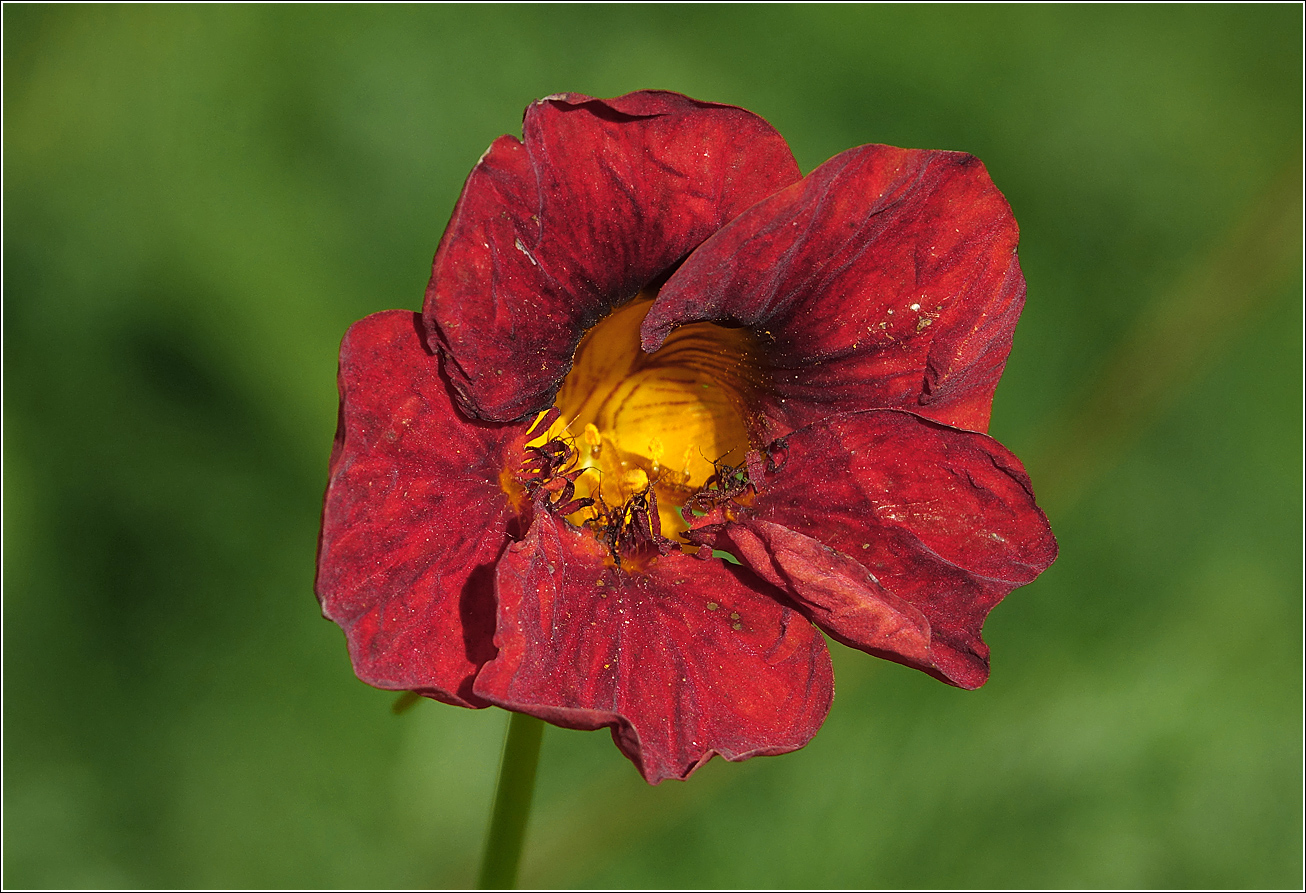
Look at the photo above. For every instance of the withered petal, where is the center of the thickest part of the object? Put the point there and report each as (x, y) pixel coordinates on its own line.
(414, 517)
(896, 534)
(601, 197)
(688, 659)
(886, 279)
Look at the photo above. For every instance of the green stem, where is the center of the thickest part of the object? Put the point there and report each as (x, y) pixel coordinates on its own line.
(512, 803)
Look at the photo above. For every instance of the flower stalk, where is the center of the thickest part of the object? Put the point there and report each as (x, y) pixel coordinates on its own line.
(512, 803)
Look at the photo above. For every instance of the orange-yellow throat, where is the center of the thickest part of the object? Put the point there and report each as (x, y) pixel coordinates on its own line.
(660, 420)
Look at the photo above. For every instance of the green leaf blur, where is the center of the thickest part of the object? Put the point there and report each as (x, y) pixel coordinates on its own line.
(199, 200)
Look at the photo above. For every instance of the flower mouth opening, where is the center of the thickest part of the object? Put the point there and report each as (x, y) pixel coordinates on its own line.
(638, 444)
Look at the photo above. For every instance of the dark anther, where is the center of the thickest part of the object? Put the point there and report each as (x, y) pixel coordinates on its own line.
(633, 531)
(777, 454)
(726, 483)
(549, 471)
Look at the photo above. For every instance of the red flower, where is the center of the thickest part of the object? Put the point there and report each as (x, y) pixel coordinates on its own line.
(523, 504)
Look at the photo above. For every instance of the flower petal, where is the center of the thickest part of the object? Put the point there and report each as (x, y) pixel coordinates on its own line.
(840, 594)
(688, 659)
(414, 517)
(885, 279)
(602, 197)
(897, 534)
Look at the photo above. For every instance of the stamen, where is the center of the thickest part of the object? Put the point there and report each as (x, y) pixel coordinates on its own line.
(635, 481)
(689, 401)
(543, 422)
(656, 451)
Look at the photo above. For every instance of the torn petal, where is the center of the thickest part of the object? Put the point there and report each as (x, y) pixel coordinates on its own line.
(685, 660)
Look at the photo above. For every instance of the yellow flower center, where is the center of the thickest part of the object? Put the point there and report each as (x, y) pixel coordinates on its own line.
(663, 420)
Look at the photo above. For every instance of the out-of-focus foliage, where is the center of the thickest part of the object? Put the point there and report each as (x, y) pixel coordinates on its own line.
(199, 200)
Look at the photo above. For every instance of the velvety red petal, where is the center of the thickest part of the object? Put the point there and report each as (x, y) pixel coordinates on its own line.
(689, 659)
(601, 197)
(839, 593)
(897, 534)
(885, 279)
(414, 517)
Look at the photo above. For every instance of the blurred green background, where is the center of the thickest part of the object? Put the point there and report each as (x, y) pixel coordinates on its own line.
(199, 200)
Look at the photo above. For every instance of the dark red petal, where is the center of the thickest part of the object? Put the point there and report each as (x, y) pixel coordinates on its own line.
(838, 592)
(898, 535)
(689, 659)
(414, 519)
(886, 279)
(602, 197)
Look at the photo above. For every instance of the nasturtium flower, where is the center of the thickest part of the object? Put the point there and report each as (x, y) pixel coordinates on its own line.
(669, 408)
